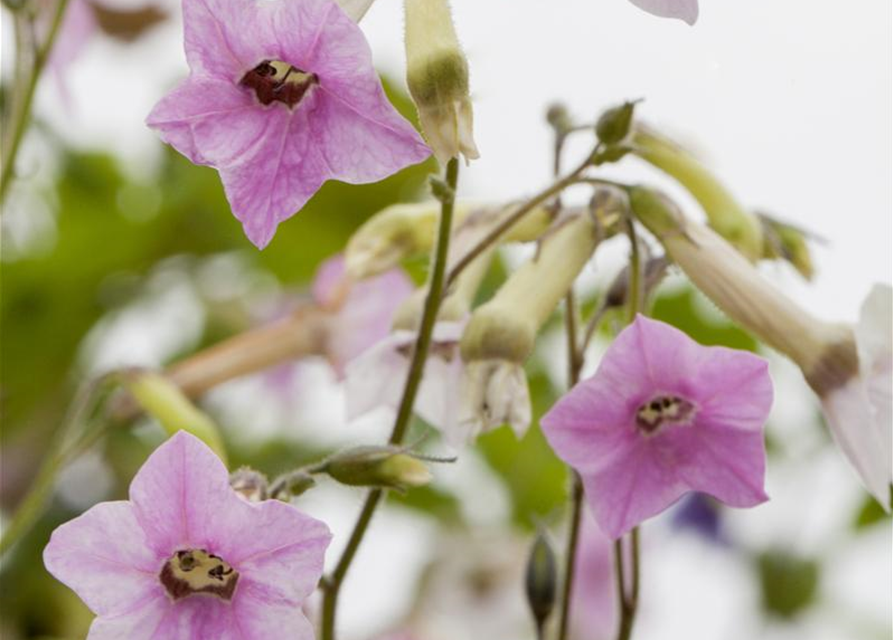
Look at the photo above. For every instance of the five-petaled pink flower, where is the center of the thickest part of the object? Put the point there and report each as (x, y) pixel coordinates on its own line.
(663, 416)
(281, 97)
(187, 558)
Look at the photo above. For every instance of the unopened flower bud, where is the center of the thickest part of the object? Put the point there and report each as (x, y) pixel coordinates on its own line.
(250, 484)
(558, 118)
(164, 401)
(786, 242)
(291, 484)
(541, 580)
(378, 466)
(614, 125)
(437, 75)
(725, 215)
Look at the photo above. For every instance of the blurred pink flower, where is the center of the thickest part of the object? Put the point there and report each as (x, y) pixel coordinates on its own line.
(686, 10)
(860, 412)
(362, 311)
(187, 558)
(281, 97)
(663, 416)
(594, 605)
(378, 376)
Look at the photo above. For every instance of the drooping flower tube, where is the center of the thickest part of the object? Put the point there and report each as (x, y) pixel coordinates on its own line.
(849, 370)
(281, 97)
(187, 557)
(662, 416)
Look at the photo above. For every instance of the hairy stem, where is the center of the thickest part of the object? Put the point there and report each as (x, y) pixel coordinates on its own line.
(20, 114)
(332, 585)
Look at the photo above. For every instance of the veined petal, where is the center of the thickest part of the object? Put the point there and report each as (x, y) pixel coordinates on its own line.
(632, 488)
(260, 617)
(733, 390)
(224, 38)
(210, 121)
(181, 496)
(103, 556)
(145, 622)
(686, 10)
(850, 417)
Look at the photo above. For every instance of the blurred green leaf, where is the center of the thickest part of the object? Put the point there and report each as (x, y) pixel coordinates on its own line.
(789, 583)
(869, 513)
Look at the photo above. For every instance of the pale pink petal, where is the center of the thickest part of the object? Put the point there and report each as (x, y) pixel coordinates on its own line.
(182, 496)
(260, 617)
(104, 557)
(375, 377)
(850, 417)
(329, 283)
(686, 10)
(733, 390)
(594, 604)
(633, 488)
(210, 122)
(224, 38)
(77, 28)
(145, 622)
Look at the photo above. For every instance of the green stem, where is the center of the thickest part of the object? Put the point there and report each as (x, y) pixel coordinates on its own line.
(571, 557)
(21, 113)
(629, 600)
(635, 271)
(332, 585)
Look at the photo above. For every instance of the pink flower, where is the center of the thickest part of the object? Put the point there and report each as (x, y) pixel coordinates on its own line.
(363, 311)
(282, 96)
(187, 558)
(594, 605)
(686, 10)
(663, 416)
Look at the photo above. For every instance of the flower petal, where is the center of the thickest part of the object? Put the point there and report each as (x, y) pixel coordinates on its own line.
(686, 10)
(146, 622)
(632, 488)
(103, 556)
(733, 390)
(181, 496)
(376, 376)
(223, 38)
(850, 417)
(212, 122)
(261, 617)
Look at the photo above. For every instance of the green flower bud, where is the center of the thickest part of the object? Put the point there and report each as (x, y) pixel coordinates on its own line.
(437, 76)
(164, 401)
(541, 580)
(251, 484)
(786, 242)
(728, 218)
(377, 466)
(614, 125)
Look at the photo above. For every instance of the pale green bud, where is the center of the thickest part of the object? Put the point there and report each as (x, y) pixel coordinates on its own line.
(385, 467)
(541, 579)
(164, 401)
(614, 125)
(251, 484)
(727, 217)
(437, 75)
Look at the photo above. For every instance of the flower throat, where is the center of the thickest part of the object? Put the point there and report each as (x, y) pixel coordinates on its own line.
(276, 81)
(192, 571)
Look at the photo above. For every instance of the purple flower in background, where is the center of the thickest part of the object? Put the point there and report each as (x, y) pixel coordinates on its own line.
(663, 416)
(594, 605)
(187, 558)
(700, 514)
(281, 97)
(362, 311)
(686, 10)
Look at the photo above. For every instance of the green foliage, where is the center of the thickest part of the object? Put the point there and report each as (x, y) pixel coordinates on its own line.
(789, 583)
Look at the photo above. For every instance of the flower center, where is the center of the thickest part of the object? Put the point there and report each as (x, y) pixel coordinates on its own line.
(191, 571)
(276, 81)
(661, 410)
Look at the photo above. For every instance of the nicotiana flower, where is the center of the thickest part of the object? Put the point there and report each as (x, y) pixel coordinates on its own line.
(663, 416)
(186, 557)
(860, 412)
(362, 311)
(281, 97)
(686, 10)
(377, 377)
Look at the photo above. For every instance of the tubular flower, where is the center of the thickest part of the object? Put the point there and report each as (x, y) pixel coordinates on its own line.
(187, 558)
(281, 97)
(663, 416)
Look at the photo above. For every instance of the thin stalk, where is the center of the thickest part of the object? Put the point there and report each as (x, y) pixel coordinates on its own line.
(332, 585)
(498, 231)
(21, 113)
(635, 271)
(571, 555)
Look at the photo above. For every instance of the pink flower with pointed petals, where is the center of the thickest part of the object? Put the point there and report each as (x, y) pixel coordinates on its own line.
(686, 10)
(363, 310)
(281, 97)
(663, 416)
(187, 558)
